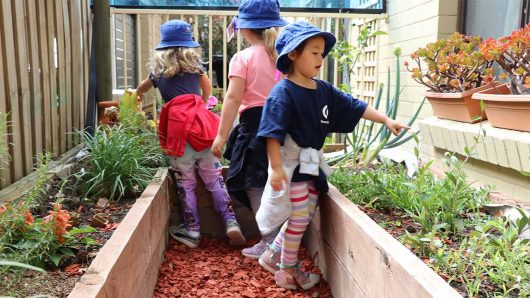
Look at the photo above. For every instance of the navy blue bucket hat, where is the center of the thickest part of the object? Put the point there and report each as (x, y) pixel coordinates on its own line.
(259, 14)
(176, 33)
(293, 35)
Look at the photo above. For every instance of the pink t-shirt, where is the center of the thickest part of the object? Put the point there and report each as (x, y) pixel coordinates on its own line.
(257, 68)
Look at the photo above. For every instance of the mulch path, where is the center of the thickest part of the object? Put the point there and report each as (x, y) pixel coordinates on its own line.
(217, 270)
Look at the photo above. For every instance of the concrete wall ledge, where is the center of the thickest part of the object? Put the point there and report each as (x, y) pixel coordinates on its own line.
(360, 259)
(127, 265)
(504, 147)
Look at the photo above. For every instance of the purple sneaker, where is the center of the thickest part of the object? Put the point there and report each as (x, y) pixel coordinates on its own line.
(255, 251)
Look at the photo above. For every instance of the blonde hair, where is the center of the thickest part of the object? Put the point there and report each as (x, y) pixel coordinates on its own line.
(172, 61)
(269, 36)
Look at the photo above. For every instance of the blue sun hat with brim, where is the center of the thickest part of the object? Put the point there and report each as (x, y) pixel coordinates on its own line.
(259, 14)
(293, 35)
(176, 33)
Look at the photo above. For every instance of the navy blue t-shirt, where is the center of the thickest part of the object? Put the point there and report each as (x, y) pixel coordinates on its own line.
(182, 83)
(308, 115)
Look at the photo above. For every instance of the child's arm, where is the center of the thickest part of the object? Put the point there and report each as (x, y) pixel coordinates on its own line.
(231, 103)
(144, 86)
(275, 160)
(206, 88)
(376, 116)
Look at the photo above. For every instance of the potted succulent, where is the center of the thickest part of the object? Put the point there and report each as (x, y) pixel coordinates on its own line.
(508, 106)
(453, 69)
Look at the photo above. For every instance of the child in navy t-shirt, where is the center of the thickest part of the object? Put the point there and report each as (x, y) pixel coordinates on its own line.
(298, 114)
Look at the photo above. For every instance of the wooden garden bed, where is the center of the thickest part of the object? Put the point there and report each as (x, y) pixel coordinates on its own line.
(127, 266)
(360, 259)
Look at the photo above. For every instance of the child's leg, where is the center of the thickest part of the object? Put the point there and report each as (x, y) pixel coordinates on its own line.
(254, 195)
(304, 198)
(293, 230)
(210, 172)
(313, 200)
(185, 166)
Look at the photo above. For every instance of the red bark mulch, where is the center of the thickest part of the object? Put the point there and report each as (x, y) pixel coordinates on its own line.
(217, 270)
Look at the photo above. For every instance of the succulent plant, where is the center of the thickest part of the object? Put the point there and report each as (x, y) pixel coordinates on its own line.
(451, 65)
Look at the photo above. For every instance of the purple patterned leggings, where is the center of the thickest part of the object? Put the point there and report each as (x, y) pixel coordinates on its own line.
(209, 169)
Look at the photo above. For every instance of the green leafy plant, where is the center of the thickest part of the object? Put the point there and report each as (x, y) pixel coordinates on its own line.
(20, 265)
(130, 116)
(119, 161)
(38, 241)
(450, 65)
(484, 256)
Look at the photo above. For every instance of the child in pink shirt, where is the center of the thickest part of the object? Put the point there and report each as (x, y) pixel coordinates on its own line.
(252, 75)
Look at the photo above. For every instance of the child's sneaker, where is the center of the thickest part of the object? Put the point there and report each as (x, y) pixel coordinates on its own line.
(255, 251)
(234, 234)
(289, 277)
(270, 260)
(185, 236)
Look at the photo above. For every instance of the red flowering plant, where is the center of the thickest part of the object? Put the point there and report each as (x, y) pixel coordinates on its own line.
(37, 240)
(451, 65)
(512, 53)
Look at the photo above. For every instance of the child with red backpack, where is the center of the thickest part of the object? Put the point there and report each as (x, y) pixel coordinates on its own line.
(187, 129)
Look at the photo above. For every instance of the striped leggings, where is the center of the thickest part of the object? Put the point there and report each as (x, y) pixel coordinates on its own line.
(303, 200)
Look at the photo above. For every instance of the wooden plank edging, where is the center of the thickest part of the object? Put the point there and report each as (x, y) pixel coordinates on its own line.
(128, 264)
(367, 260)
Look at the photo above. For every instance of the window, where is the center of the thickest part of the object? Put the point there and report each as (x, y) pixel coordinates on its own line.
(125, 52)
(493, 18)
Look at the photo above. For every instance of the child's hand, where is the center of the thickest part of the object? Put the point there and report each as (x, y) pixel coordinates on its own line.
(217, 146)
(394, 126)
(278, 178)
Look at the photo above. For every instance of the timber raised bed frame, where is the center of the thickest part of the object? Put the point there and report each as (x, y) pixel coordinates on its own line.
(358, 258)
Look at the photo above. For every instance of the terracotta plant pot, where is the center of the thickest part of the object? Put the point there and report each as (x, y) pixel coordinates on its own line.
(504, 109)
(102, 105)
(457, 106)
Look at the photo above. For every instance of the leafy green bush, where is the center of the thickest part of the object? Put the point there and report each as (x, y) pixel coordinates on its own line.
(120, 160)
(484, 256)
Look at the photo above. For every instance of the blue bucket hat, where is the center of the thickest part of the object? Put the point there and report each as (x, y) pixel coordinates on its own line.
(176, 33)
(259, 14)
(293, 35)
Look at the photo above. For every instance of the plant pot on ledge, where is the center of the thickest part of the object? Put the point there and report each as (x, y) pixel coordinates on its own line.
(504, 109)
(457, 106)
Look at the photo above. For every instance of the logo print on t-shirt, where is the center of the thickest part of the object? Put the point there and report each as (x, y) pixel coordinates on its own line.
(325, 114)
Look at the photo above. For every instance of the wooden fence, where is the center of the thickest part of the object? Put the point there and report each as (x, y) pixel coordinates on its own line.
(44, 74)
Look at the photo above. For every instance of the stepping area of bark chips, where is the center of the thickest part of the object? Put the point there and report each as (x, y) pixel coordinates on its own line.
(216, 270)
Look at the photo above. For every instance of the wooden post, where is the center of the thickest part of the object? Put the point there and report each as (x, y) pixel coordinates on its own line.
(103, 54)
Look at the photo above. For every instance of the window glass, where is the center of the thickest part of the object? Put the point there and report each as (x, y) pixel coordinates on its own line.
(492, 18)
